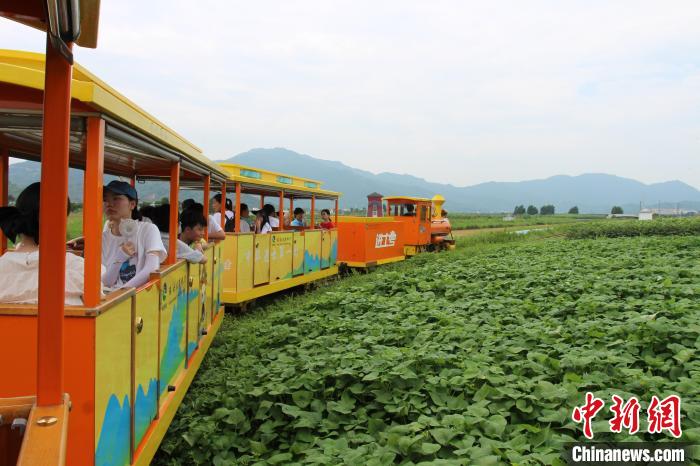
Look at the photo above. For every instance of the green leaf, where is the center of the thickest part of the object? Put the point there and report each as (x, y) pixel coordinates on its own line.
(429, 448)
(495, 425)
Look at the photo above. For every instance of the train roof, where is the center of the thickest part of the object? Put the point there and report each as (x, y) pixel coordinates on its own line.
(135, 141)
(406, 198)
(259, 181)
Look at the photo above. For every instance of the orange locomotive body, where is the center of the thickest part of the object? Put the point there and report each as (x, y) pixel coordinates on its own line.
(370, 241)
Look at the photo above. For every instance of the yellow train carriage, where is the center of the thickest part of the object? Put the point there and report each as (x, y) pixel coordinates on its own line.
(256, 265)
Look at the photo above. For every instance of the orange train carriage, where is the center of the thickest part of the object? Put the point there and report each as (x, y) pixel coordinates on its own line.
(413, 225)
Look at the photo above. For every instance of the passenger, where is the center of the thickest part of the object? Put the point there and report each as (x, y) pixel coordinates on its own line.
(161, 218)
(216, 215)
(193, 223)
(131, 249)
(262, 222)
(271, 215)
(326, 222)
(298, 218)
(147, 214)
(410, 210)
(19, 268)
(245, 213)
(215, 230)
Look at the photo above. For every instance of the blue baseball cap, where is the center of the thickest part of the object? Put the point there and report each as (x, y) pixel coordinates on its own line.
(122, 187)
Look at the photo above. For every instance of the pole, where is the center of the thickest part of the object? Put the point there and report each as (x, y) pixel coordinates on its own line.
(4, 186)
(207, 187)
(237, 212)
(92, 210)
(52, 229)
(281, 213)
(313, 210)
(336, 212)
(223, 205)
(174, 211)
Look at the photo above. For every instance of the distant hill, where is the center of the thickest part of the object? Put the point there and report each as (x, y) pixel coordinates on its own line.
(592, 193)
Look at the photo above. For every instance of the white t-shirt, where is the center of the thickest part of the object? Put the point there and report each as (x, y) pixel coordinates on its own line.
(213, 226)
(183, 250)
(146, 239)
(19, 275)
(274, 222)
(266, 228)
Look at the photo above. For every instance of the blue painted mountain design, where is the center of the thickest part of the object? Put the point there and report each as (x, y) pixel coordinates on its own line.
(145, 409)
(113, 444)
(174, 353)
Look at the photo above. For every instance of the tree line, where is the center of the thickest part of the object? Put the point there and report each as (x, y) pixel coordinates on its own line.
(549, 210)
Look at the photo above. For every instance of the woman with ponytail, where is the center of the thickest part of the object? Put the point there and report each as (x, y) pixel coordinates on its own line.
(19, 268)
(131, 249)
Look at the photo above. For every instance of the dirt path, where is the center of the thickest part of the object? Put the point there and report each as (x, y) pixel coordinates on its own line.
(478, 231)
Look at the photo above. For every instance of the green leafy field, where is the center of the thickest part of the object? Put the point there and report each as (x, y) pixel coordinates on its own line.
(621, 228)
(475, 221)
(476, 356)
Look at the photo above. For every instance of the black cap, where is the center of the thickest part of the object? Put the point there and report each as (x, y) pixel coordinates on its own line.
(122, 187)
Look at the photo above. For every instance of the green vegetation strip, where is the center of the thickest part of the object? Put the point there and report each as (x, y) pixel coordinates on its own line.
(476, 357)
(478, 221)
(623, 228)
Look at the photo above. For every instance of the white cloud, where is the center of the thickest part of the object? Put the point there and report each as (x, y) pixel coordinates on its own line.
(454, 91)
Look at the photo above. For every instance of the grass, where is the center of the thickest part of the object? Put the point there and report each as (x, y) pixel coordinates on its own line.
(475, 221)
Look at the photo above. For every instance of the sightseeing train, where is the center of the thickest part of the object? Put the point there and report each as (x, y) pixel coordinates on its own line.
(99, 383)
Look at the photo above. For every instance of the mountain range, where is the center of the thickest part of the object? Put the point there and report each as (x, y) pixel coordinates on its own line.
(592, 193)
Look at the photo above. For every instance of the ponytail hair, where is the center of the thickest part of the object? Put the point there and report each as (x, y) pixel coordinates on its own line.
(23, 218)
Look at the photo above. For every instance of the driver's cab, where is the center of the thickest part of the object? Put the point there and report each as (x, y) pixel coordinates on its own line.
(414, 213)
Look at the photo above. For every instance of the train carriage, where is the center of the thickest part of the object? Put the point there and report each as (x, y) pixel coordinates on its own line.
(256, 265)
(124, 360)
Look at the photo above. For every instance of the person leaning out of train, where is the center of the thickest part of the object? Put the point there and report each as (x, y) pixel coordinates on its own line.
(262, 222)
(298, 220)
(326, 222)
(215, 204)
(161, 218)
(214, 228)
(131, 249)
(19, 267)
(192, 226)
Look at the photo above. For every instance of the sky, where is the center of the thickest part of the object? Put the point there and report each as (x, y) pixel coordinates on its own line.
(456, 91)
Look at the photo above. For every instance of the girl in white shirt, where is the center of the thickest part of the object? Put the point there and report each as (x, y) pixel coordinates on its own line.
(131, 249)
(19, 268)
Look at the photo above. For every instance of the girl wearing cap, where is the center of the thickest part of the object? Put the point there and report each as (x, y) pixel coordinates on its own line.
(131, 249)
(19, 268)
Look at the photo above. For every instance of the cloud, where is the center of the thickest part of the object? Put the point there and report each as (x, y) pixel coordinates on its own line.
(459, 92)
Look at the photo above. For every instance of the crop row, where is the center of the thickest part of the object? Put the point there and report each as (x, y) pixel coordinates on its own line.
(625, 228)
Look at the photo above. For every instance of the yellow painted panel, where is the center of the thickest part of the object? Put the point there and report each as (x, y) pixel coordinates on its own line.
(325, 249)
(173, 321)
(208, 285)
(194, 314)
(145, 360)
(229, 271)
(298, 253)
(312, 251)
(334, 247)
(219, 274)
(113, 385)
(244, 272)
(281, 256)
(261, 268)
